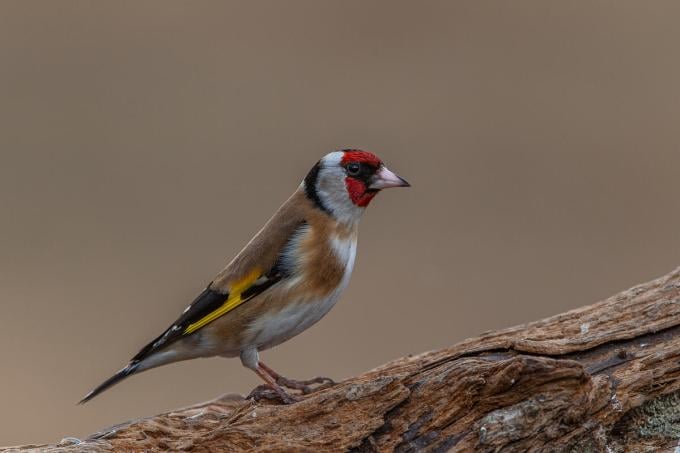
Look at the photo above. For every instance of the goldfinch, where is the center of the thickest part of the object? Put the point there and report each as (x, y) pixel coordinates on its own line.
(284, 280)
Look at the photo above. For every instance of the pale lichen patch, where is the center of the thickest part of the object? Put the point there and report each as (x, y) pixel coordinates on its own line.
(655, 419)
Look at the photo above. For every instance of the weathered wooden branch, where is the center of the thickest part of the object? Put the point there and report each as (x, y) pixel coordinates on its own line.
(604, 378)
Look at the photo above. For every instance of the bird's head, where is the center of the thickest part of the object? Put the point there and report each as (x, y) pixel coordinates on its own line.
(344, 182)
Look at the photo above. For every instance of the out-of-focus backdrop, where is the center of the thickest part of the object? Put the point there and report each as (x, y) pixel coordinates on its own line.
(143, 143)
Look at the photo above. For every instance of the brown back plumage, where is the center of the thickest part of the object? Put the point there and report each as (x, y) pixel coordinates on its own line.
(265, 247)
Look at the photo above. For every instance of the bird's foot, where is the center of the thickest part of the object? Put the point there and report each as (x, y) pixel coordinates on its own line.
(306, 387)
(265, 392)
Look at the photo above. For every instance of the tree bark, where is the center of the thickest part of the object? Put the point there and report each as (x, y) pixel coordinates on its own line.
(599, 378)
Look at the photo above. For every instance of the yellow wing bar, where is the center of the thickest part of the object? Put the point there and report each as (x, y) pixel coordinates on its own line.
(233, 301)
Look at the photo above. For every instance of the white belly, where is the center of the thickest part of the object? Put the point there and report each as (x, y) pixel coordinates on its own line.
(276, 327)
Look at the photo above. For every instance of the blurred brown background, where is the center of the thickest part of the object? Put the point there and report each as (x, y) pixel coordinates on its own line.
(143, 143)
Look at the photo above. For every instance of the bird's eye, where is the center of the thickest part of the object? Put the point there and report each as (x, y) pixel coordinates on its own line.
(353, 168)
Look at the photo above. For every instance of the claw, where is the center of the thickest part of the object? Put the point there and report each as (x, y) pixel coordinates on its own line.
(275, 382)
(305, 386)
(265, 392)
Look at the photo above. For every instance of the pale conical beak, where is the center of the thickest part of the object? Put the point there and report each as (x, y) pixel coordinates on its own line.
(384, 179)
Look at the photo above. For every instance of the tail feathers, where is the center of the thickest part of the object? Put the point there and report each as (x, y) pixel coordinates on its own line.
(129, 370)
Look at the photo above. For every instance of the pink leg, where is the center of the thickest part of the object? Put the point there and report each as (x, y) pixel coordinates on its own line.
(258, 393)
(304, 386)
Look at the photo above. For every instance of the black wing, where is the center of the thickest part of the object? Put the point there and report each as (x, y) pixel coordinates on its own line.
(206, 303)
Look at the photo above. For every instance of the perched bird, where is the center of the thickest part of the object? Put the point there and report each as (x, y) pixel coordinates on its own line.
(284, 280)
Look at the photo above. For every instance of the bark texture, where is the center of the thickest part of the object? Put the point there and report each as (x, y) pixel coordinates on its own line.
(602, 378)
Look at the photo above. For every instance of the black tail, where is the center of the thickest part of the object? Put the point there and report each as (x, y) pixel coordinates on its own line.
(110, 382)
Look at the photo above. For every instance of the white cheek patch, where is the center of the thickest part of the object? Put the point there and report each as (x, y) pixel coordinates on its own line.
(332, 190)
